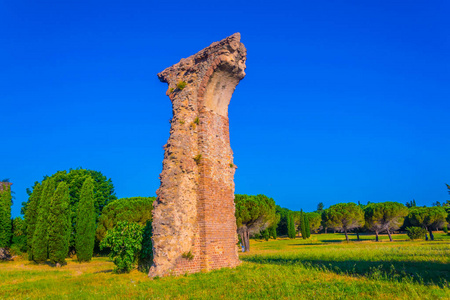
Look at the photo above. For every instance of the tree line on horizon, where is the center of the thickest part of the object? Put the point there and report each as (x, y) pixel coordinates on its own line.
(76, 213)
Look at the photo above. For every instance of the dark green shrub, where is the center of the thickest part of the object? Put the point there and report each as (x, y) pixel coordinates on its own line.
(188, 255)
(125, 242)
(198, 158)
(265, 234)
(134, 209)
(146, 255)
(181, 85)
(445, 229)
(415, 233)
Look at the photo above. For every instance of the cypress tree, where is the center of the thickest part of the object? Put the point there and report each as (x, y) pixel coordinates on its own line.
(273, 232)
(5, 215)
(291, 226)
(85, 227)
(303, 224)
(307, 227)
(40, 237)
(288, 225)
(59, 224)
(31, 214)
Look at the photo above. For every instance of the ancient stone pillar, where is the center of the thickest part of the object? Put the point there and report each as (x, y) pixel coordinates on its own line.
(194, 226)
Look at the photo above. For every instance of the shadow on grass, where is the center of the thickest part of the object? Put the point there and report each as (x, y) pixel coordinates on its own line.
(305, 244)
(104, 271)
(421, 272)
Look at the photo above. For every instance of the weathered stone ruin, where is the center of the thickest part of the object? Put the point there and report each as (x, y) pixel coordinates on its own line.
(194, 226)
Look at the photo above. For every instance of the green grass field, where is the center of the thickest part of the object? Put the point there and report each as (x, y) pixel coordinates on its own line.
(324, 267)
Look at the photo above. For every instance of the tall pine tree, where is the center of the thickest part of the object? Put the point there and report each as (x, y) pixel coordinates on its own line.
(291, 226)
(85, 226)
(307, 226)
(5, 214)
(59, 225)
(31, 214)
(40, 237)
(303, 225)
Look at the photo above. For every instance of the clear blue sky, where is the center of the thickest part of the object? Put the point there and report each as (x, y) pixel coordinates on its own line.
(343, 101)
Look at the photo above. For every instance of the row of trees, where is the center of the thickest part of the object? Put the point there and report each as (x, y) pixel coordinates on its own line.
(256, 217)
(49, 226)
(60, 215)
(78, 211)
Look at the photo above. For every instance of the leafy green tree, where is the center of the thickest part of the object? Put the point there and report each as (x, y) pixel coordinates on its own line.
(384, 216)
(125, 242)
(19, 237)
(447, 206)
(315, 221)
(253, 215)
(59, 225)
(344, 217)
(85, 227)
(5, 214)
(103, 187)
(135, 209)
(40, 237)
(430, 218)
(411, 203)
(320, 207)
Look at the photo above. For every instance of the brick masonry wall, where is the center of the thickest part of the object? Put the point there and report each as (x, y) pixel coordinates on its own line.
(194, 226)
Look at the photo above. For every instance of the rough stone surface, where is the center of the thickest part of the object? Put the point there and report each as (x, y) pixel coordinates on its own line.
(4, 185)
(4, 254)
(194, 226)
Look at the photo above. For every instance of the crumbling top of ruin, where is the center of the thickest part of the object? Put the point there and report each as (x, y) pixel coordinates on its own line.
(3, 185)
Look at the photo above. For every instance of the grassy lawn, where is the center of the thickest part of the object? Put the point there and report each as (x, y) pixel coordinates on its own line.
(323, 267)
